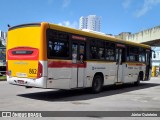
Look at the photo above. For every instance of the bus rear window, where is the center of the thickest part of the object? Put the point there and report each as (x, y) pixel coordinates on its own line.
(58, 44)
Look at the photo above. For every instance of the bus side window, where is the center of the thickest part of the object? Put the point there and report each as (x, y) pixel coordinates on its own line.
(110, 51)
(94, 49)
(82, 53)
(94, 52)
(74, 52)
(101, 47)
(101, 53)
(58, 44)
(142, 55)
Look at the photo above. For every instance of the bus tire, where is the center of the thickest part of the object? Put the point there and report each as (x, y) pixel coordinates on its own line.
(97, 84)
(138, 80)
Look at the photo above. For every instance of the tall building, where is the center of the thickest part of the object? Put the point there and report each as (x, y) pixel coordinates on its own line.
(91, 22)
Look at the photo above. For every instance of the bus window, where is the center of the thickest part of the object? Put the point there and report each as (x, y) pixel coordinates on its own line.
(93, 49)
(82, 53)
(81, 49)
(94, 54)
(58, 44)
(101, 46)
(74, 52)
(142, 55)
(101, 53)
(132, 54)
(110, 51)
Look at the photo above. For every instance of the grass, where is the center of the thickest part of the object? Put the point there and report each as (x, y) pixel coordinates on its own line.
(2, 78)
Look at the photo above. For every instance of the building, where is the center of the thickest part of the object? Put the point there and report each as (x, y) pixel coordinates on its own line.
(3, 36)
(123, 35)
(91, 22)
(145, 35)
(151, 36)
(83, 23)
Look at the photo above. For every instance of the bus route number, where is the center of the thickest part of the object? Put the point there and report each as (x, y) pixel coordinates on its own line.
(32, 71)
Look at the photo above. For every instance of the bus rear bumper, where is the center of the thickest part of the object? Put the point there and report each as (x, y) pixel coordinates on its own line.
(39, 83)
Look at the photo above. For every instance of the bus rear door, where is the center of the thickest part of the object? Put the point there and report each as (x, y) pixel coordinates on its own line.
(79, 65)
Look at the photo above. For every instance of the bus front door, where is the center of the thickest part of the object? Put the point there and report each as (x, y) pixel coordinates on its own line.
(120, 58)
(78, 63)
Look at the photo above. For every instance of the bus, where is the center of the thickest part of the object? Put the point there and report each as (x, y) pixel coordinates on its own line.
(2, 61)
(46, 55)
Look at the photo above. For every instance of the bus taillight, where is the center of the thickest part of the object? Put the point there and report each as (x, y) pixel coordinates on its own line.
(40, 70)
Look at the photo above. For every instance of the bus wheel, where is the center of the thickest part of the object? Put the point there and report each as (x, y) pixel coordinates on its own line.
(138, 81)
(97, 84)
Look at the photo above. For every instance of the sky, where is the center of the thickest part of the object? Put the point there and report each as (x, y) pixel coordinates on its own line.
(117, 15)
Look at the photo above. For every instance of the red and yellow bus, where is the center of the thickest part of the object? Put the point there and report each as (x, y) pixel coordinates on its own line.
(47, 55)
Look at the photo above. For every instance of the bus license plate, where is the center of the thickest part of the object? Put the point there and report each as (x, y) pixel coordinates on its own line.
(20, 81)
(21, 74)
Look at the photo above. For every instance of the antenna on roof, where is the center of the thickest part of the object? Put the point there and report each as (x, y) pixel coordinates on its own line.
(8, 26)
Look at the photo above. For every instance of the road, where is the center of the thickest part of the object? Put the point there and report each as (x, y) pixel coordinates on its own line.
(145, 97)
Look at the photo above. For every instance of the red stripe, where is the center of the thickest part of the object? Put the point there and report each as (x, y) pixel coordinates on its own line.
(65, 64)
(33, 56)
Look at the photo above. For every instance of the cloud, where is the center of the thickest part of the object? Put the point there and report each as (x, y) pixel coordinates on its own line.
(66, 3)
(126, 4)
(147, 6)
(69, 24)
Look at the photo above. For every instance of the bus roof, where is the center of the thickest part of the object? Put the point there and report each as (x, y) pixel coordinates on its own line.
(24, 25)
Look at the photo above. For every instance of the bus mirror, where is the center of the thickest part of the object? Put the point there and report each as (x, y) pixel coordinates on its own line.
(154, 55)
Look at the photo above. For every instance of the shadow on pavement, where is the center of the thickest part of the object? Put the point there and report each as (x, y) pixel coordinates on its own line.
(85, 94)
